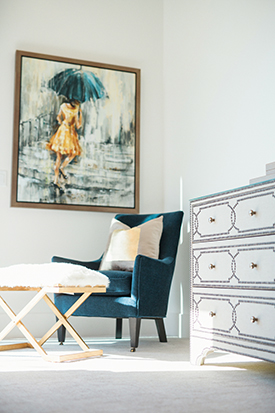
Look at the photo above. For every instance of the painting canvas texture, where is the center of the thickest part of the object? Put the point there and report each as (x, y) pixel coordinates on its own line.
(76, 136)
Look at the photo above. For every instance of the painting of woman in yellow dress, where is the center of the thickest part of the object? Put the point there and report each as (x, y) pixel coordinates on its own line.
(76, 134)
(65, 141)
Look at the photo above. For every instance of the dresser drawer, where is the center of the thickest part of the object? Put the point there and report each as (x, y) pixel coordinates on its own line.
(255, 265)
(212, 314)
(238, 317)
(240, 215)
(241, 265)
(255, 213)
(212, 266)
(255, 319)
(212, 220)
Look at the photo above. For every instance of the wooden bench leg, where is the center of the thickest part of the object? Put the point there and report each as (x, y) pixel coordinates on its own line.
(16, 321)
(62, 320)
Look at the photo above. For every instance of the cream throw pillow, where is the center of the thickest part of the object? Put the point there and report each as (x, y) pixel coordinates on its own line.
(125, 243)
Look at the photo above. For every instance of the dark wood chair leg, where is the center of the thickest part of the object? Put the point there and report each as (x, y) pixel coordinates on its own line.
(161, 330)
(61, 334)
(119, 328)
(134, 332)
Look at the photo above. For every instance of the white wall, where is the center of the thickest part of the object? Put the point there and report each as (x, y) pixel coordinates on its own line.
(219, 65)
(116, 32)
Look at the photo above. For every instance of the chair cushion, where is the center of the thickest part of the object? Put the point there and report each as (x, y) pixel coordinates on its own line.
(120, 283)
(125, 243)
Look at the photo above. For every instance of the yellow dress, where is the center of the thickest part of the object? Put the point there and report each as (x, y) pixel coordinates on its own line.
(65, 140)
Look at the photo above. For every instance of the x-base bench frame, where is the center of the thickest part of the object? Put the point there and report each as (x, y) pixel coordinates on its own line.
(42, 293)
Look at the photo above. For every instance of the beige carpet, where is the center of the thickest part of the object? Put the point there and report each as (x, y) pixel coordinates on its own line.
(157, 378)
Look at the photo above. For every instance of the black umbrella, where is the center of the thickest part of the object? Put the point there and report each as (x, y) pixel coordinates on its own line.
(78, 85)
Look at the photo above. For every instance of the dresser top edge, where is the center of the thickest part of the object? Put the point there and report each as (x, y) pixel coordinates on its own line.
(268, 183)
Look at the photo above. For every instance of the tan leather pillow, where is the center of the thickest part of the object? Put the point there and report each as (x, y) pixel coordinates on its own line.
(126, 243)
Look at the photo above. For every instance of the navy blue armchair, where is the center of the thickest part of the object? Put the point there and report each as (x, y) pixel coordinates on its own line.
(142, 293)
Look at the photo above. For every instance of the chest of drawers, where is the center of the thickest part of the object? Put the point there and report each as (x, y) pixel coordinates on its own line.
(233, 273)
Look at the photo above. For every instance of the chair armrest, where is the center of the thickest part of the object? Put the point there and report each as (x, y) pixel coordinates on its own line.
(151, 284)
(92, 265)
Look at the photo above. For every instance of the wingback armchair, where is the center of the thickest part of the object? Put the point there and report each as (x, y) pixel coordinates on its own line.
(135, 295)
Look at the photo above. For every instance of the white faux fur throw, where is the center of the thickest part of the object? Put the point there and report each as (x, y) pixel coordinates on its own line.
(50, 275)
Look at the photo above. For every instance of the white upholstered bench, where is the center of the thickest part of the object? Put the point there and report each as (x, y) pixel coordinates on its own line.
(45, 279)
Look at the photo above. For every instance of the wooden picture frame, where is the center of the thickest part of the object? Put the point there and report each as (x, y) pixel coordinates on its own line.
(76, 135)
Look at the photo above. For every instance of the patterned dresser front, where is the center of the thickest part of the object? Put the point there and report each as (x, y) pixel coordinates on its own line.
(233, 273)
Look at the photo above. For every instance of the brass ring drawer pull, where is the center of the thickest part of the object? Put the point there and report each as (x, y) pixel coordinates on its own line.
(253, 319)
(211, 219)
(212, 314)
(211, 266)
(251, 212)
(253, 265)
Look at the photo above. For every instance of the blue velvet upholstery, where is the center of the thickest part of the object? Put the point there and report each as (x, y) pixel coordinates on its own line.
(141, 294)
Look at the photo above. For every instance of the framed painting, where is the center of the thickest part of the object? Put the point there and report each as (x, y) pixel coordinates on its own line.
(76, 135)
